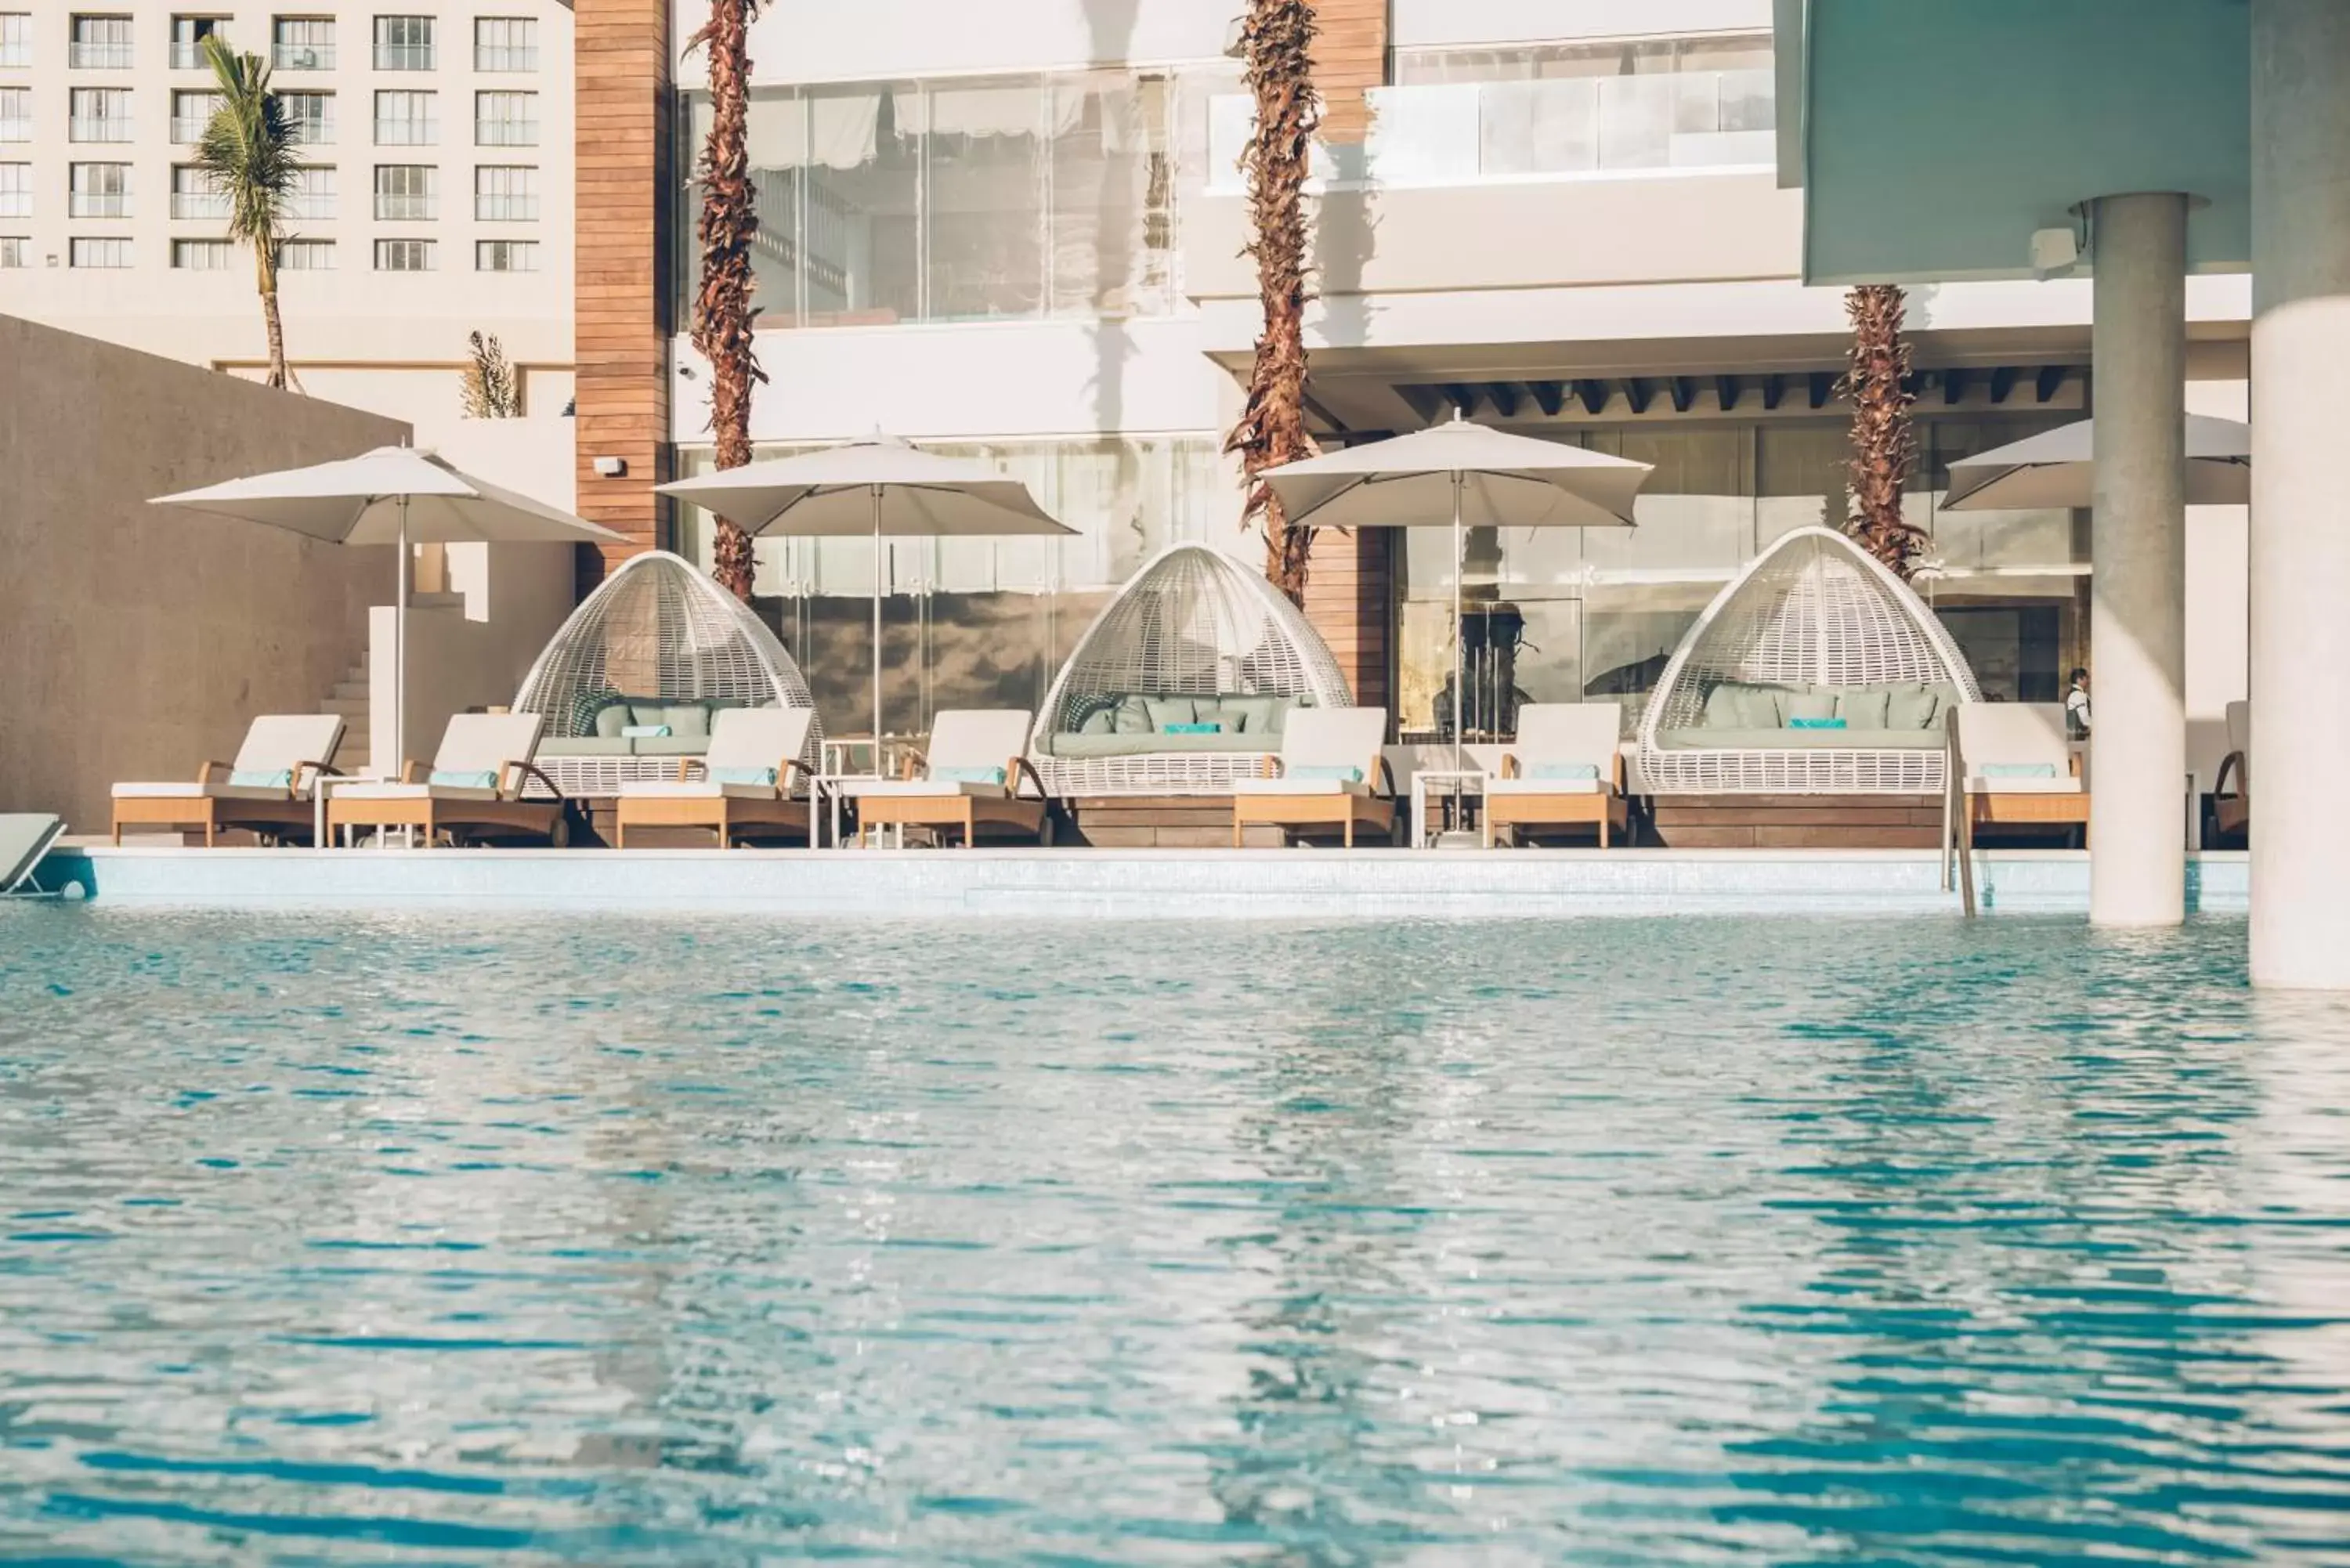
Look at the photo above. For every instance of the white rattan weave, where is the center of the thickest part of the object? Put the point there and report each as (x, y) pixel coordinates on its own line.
(657, 627)
(1193, 622)
(1812, 610)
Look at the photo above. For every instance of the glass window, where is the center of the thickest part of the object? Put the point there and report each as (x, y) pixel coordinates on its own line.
(188, 36)
(309, 116)
(505, 255)
(87, 251)
(302, 43)
(314, 193)
(191, 112)
(505, 194)
(16, 190)
(100, 114)
(15, 114)
(407, 119)
(505, 44)
(1112, 221)
(195, 194)
(202, 256)
(404, 256)
(12, 250)
(307, 255)
(505, 119)
(984, 147)
(407, 190)
(16, 39)
(99, 43)
(404, 42)
(99, 191)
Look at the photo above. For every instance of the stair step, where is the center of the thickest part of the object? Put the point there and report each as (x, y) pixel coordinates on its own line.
(350, 688)
(348, 707)
(436, 601)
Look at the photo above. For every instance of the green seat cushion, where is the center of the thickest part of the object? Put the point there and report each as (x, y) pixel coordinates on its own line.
(1100, 718)
(1862, 707)
(1798, 722)
(1247, 715)
(2017, 770)
(1132, 716)
(763, 778)
(1742, 705)
(611, 719)
(1166, 710)
(1071, 746)
(1811, 706)
(672, 746)
(1914, 705)
(1711, 739)
(686, 719)
(586, 746)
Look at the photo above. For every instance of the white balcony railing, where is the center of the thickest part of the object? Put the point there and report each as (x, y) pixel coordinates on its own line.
(303, 57)
(188, 57)
(98, 204)
(107, 56)
(199, 204)
(1472, 133)
(505, 133)
(98, 127)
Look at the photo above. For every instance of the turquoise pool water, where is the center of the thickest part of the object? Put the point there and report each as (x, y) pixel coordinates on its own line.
(1619, 1242)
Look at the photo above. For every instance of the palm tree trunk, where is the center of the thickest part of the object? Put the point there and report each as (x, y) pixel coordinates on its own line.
(266, 280)
(1884, 446)
(723, 315)
(1277, 43)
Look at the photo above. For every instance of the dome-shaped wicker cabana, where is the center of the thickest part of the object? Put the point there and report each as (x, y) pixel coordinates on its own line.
(1816, 671)
(629, 684)
(1183, 682)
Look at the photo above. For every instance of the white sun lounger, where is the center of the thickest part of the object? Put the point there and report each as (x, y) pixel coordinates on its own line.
(25, 837)
(747, 784)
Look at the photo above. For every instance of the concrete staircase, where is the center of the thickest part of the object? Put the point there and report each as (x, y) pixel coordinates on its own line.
(349, 699)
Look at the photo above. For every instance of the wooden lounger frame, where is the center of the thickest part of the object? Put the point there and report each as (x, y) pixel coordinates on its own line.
(198, 811)
(728, 816)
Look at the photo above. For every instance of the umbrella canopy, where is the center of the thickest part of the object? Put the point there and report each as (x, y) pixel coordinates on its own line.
(359, 501)
(832, 493)
(2058, 468)
(393, 495)
(1506, 481)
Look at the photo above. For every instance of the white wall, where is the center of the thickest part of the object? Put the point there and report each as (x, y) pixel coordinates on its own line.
(2219, 601)
(1426, 23)
(824, 40)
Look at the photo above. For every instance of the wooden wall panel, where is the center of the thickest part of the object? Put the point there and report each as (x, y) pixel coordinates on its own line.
(1349, 55)
(621, 326)
(1350, 599)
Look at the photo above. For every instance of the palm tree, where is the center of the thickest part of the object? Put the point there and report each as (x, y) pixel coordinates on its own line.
(1884, 446)
(723, 315)
(1277, 44)
(249, 150)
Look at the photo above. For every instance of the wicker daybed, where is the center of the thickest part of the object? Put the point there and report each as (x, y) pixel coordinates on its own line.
(629, 685)
(1815, 671)
(1182, 684)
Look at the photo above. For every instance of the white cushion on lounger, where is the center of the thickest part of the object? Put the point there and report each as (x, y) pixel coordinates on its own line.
(388, 789)
(694, 789)
(921, 789)
(1546, 787)
(1300, 787)
(183, 790)
(2059, 785)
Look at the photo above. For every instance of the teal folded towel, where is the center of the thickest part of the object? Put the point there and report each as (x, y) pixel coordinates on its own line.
(461, 778)
(763, 778)
(1815, 723)
(261, 778)
(2018, 770)
(1575, 771)
(644, 731)
(1330, 771)
(1191, 729)
(967, 775)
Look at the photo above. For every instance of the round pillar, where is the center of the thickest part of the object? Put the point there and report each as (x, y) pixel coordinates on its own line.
(2137, 547)
(2301, 501)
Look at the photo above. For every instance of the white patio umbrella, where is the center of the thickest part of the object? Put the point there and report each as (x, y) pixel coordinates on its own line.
(393, 495)
(2058, 468)
(1487, 478)
(876, 488)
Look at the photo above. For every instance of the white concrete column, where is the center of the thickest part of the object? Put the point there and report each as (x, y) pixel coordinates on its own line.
(2300, 495)
(2138, 548)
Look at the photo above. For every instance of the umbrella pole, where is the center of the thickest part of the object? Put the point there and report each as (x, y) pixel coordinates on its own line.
(399, 656)
(877, 631)
(1460, 639)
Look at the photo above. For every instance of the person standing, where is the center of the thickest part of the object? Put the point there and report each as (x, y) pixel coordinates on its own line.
(2076, 707)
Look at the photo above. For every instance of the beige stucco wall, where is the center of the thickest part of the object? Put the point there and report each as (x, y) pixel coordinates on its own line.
(137, 642)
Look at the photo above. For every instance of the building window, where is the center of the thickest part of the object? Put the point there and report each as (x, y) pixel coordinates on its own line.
(99, 191)
(505, 194)
(100, 114)
(188, 36)
(98, 252)
(407, 190)
(307, 255)
(314, 193)
(309, 116)
(16, 190)
(407, 119)
(505, 255)
(404, 42)
(16, 39)
(302, 43)
(191, 112)
(505, 119)
(403, 255)
(505, 44)
(195, 194)
(202, 256)
(15, 114)
(12, 250)
(99, 43)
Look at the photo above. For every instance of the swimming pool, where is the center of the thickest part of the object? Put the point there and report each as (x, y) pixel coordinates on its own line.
(1636, 1241)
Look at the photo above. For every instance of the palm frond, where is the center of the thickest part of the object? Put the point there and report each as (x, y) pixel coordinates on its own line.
(248, 147)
